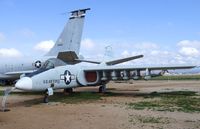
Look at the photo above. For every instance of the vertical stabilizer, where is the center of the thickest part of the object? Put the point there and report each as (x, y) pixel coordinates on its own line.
(70, 38)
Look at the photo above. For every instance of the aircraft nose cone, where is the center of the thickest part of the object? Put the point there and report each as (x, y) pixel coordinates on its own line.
(24, 83)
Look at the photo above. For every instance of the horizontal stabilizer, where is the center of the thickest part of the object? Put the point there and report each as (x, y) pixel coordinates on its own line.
(118, 61)
(78, 13)
(68, 56)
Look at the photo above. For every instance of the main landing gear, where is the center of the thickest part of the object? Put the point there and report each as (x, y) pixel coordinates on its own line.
(68, 91)
(102, 89)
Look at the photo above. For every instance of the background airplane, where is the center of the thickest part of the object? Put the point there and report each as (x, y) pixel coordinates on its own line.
(69, 40)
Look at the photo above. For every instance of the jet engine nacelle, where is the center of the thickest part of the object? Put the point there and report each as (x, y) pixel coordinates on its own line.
(89, 78)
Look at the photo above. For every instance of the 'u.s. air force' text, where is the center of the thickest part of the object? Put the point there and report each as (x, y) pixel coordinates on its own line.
(51, 81)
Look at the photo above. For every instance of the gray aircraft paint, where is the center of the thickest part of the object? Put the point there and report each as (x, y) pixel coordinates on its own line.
(55, 76)
(69, 40)
(45, 80)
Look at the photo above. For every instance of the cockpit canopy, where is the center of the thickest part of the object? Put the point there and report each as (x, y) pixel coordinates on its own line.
(52, 63)
(49, 64)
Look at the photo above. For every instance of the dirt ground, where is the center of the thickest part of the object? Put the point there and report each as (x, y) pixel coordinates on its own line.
(107, 113)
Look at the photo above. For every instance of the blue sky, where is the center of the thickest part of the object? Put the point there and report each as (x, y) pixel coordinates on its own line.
(165, 31)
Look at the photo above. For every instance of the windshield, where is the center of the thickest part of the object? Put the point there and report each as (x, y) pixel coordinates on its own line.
(47, 65)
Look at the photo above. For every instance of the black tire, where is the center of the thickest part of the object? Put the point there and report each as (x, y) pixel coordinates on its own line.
(102, 89)
(69, 90)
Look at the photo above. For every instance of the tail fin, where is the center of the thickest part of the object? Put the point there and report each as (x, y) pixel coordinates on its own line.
(70, 38)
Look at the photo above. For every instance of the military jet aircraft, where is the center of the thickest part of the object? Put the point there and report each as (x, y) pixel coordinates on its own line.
(67, 71)
(49, 77)
(69, 40)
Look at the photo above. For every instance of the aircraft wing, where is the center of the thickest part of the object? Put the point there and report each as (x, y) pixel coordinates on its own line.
(129, 68)
(105, 73)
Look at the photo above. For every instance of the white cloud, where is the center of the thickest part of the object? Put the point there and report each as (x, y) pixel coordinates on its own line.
(9, 52)
(184, 43)
(189, 51)
(154, 52)
(125, 53)
(2, 37)
(151, 51)
(87, 44)
(184, 53)
(189, 43)
(44, 46)
(159, 53)
(189, 48)
(91, 49)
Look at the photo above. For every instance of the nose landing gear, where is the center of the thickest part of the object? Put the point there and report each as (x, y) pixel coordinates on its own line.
(48, 93)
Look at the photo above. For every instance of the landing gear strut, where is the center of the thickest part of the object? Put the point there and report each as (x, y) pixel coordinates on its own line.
(46, 99)
(102, 89)
(48, 93)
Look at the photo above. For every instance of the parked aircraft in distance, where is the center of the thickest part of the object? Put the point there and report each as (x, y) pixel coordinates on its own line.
(52, 76)
(69, 40)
